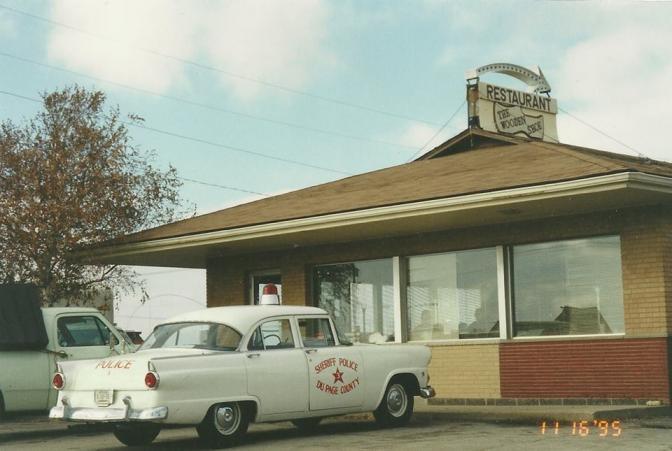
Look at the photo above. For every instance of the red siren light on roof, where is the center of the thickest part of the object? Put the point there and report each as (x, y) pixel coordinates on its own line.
(270, 288)
(269, 295)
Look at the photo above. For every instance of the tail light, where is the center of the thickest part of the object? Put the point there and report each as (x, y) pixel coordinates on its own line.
(58, 382)
(152, 380)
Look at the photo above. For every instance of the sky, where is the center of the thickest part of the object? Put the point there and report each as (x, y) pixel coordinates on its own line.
(249, 98)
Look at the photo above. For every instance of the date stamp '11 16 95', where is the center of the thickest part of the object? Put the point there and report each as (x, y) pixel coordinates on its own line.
(582, 428)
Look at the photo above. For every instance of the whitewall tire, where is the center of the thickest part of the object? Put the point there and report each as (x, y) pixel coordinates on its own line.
(396, 407)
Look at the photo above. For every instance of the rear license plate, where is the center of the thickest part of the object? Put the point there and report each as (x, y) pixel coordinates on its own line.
(103, 398)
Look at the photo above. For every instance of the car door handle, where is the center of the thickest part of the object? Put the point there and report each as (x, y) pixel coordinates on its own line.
(253, 355)
(311, 351)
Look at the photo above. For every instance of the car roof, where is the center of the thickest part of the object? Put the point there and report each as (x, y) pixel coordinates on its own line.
(54, 311)
(243, 317)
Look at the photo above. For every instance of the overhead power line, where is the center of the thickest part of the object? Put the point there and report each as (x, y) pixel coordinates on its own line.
(234, 148)
(219, 70)
(205, 105)
(592, 127)
(216, 185)
(204, 141)
(445, 124)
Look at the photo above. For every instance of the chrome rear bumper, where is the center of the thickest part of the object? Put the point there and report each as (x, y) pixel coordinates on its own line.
(427, 392)
(107, 414)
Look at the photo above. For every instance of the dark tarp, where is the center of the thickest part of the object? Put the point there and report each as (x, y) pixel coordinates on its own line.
(21, 321)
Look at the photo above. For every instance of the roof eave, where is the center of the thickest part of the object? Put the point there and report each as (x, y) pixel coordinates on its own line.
(380, 215)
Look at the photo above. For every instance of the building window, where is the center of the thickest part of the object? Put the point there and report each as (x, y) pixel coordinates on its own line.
(453, 296)
(360, 298)
(568, 288)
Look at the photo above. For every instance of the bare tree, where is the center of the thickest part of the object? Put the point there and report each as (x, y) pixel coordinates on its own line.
(69, 177)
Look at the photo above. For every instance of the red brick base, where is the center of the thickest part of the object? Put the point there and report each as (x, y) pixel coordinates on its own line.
(619, 368)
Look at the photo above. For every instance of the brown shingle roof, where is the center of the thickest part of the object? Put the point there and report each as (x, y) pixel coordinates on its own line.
(452, 169)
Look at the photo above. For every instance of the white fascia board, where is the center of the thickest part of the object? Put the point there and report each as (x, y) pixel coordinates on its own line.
(603, 183)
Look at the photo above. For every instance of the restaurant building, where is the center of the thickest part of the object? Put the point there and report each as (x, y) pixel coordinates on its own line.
(537, 272)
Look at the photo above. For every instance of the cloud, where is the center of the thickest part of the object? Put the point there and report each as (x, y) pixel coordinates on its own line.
(609, 64)
(281, 42)
(417, 135)
(7, 27)
(129, 26)
(619, 82)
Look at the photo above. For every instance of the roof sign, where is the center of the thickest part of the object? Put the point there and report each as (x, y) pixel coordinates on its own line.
(509, 111)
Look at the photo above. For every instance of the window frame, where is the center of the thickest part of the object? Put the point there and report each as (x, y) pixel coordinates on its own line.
(505, 294)
(511, 293)
(502, 289)
(314, 301)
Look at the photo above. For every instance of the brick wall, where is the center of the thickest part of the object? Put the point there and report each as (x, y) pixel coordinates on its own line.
(666, 250)
(227, 280)
(466, 371)
(614, 368)
(295, 282)
(646, 241)
(225, 283)
(644, 250)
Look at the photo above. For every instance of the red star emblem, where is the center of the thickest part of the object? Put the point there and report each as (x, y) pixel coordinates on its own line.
(338, 376)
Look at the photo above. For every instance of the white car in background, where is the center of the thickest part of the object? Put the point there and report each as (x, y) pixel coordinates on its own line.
(222, 368)
(70, 333)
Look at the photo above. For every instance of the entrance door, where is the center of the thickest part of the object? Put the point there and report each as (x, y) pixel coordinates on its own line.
(336, 372)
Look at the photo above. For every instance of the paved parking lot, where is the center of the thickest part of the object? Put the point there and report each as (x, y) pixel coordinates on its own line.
(364, 435)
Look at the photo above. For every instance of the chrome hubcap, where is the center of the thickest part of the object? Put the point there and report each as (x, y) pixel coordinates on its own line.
(397, 400)
(227, 419)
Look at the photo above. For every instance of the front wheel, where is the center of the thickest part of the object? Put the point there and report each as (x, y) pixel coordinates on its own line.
(396, 407)
(224, 425)
(136, 434)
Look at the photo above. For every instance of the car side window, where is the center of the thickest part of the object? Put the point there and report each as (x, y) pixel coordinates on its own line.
(276, 334)
(316, 332)
(76, 331)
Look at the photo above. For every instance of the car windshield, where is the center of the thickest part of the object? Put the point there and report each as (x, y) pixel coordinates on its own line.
(219, 337)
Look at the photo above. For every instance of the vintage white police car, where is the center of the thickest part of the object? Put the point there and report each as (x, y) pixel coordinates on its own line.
(221, 368)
